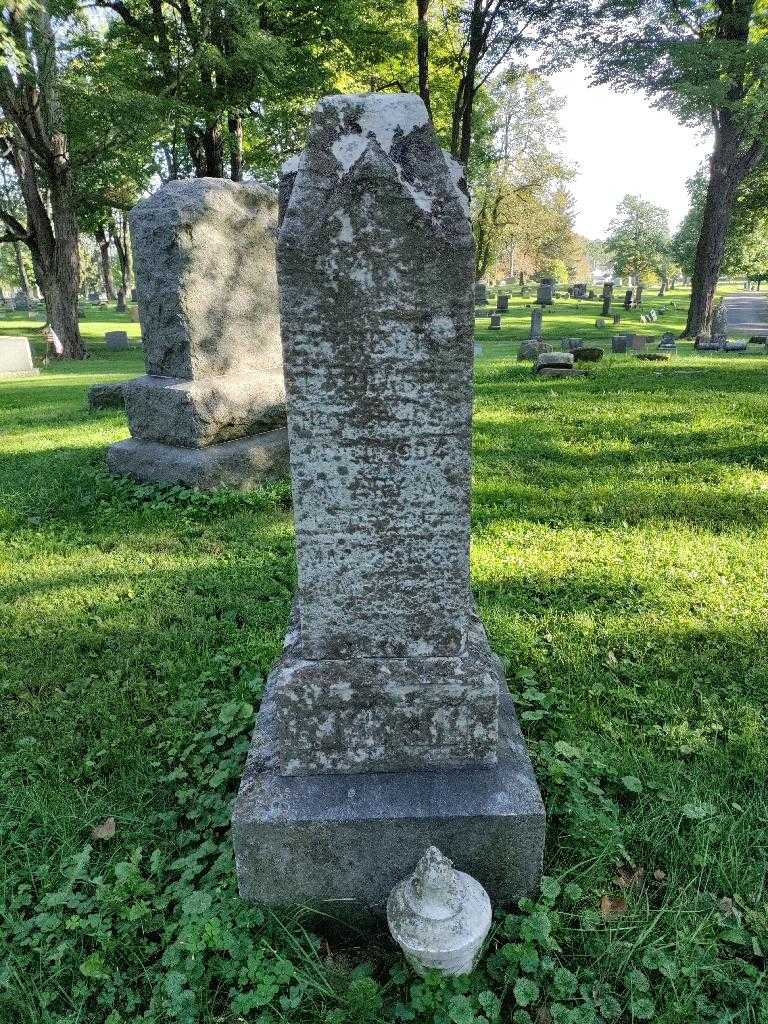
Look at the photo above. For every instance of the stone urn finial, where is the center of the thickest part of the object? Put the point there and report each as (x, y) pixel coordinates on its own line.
(439, 916)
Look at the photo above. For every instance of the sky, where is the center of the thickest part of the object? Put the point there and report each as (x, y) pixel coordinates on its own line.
(622, 145)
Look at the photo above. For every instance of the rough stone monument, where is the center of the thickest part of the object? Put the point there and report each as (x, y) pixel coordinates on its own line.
(495, 322)
(16, 357)
(719, 329)
(502, 303)
(210, 409)
(536, 318)
(628, 297)
(386, 726)
(481, 294)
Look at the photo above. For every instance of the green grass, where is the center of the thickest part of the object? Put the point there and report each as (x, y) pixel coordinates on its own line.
(620, 559)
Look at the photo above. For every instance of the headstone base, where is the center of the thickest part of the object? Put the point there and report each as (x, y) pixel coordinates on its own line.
(242, 464)
(342, 842)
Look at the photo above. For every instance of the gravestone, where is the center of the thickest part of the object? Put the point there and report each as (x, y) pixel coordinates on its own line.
(667, 342)
(599, 322)
(106, 396)
(617, 318)
(719, 332)
(628, 297)
(502, 303)
(579, 291)
(495, 322)
(21, 302)
(209, 411)
(571, 344)
(16, 357)
(607, 297)
(117, 341)
(639, 295)
(481, 294)
(120, 307)
(134, 295)
(94, 297)
(621, 342)
(536, 318)
(532, 349)
(639, 342)
(545, 293)
(386, 726)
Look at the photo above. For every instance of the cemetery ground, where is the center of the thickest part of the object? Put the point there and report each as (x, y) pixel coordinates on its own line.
(620, 559)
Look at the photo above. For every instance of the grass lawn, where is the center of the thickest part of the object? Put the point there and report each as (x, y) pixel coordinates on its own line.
(620, 561)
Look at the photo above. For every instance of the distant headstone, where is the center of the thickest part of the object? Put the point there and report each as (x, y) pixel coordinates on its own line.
(628, 298)
(384, 727)
(719, 332)
(571, 344)
(495, 322)
(559, 360)
(117, 341)
(481, 293)
(639, 342)
(106, 396)
(621, 342)
(607, 297)
(667, 342)
(617, 318)
(16, 357)
(211, 408)
(536, 318)
(502, 303)
(588, 354)
(134, 295)
(531, 350)
(545, 293)
(639, 295)
(21, 302)
(579, 291)
(120, 307)
(94, 297)
(599, 322)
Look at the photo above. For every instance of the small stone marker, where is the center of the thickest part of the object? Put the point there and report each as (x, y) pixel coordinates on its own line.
(386, 726)
(502, 303)
(495, 322)
(599, 322)
(628, 297)
(21, 302)
(134, 295)
(719, 332)
(639, 342)
(439, 916)
(571, 344)
(554, 360)
(588, 354)
(621, 342)
(536, 318)
(209, 411)
(117, 341)
(481, 294)
(16, 357)
(120, 308)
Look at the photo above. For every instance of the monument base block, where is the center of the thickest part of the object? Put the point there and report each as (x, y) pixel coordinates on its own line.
(242, 464)
(342, 842)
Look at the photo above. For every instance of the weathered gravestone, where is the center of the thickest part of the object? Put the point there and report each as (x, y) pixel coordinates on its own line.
(16, 358)
(628, 297)
(21, 301)
(134, 294)
(719, 332)
(481, 294)
(502, 303)
(120, 307)
(495, 322)
(607, 298)
(545, 293)
(536, 318)
(205, 413)
(386, 726)
(116, 341)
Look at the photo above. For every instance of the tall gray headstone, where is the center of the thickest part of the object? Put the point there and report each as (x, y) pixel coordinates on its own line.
(481, 294)
(536, 318)
(502, 303)
(607, 297)
(628, 298)
(16, 357)
(209, 411)
(386, 726)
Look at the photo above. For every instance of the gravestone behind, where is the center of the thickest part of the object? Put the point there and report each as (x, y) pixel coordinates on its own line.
(117, 341)
(536, 318)
(502, 303)
(607, 297)
(16, 357)
(207, 410)
(481, 294)
(628, 297)
(495, 322)
(545, 293)
(386, 725)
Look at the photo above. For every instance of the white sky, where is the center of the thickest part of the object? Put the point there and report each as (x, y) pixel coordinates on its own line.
(622, 145)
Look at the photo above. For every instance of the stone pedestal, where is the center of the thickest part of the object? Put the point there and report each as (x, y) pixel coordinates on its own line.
(545, 293)
(208, 412)
(607, 298)
(380, 732)
(536, 318)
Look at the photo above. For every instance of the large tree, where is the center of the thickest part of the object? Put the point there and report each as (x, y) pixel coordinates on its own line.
(707, 60)
(638, 237)
(35, 145)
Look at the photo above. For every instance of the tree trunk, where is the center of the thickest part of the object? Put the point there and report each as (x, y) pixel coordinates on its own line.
(118, 233)
(106, 266)
(235, 128)
(22, 270)
(206, 149)
(422, 52)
